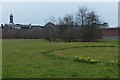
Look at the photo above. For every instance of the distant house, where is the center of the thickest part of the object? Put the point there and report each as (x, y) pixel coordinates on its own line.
(36, 26)
(22, 26)
(104, 25)
(18, 26)
(49, 24)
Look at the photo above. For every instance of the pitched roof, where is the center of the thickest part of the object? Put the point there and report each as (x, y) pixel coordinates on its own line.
(49, 24)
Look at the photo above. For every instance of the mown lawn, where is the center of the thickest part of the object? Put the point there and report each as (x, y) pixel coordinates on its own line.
(42, 59)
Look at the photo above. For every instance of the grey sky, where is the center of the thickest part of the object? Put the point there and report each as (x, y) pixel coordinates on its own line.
(119, 14)
(39, 12)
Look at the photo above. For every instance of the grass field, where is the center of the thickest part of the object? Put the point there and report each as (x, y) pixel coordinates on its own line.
(43, 59)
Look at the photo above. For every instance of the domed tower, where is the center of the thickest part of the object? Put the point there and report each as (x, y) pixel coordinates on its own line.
(11, 18)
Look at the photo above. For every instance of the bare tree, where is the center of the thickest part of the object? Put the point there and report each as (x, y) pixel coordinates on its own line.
(81, 16)
(91, 31)
(68, 20)
(60, 21)
(52, 19)
(92, 18)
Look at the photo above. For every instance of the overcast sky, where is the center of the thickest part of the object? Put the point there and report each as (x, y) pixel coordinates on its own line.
(39, 12)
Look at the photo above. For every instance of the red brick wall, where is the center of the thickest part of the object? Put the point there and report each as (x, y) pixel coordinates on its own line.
(110, 32)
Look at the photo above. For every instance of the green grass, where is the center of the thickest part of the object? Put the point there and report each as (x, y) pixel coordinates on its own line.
(43, 59)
